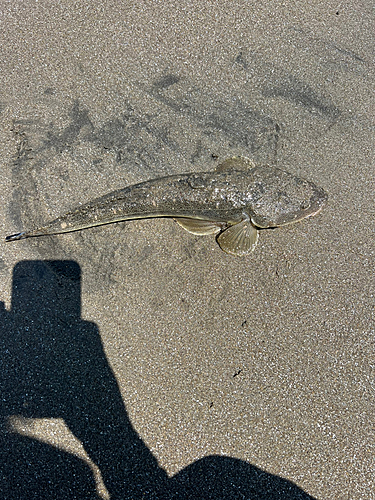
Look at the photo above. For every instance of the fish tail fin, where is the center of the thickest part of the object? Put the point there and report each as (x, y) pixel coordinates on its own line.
(17, 236)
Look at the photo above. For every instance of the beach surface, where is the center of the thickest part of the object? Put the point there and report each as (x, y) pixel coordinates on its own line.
(140, 361)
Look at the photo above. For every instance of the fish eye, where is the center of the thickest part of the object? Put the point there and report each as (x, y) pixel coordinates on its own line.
(305, 205)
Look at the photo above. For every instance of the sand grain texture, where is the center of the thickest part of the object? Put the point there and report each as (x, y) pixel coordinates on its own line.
(140, 361)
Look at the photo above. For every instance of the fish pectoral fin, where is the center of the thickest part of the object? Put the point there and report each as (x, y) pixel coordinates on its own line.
(235, 163)
(239, 239)
(197, 226)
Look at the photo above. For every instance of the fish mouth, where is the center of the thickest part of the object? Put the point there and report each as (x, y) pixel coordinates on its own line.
(298, 219)
(320, 205)
(317, 203)
(319, 200)
(312, 213)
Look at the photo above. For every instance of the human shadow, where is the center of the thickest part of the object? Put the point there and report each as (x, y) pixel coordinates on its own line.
(53, 365)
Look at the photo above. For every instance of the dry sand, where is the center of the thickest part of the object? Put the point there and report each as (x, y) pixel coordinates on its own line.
(150, 364)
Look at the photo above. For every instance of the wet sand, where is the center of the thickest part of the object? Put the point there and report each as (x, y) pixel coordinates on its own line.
(140, 361)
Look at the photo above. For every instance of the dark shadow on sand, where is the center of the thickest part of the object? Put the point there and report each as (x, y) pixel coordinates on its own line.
(53, 366)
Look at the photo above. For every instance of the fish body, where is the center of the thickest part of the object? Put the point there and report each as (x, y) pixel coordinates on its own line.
(234, 200)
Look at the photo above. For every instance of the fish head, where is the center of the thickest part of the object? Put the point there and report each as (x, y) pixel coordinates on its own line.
(283, 198)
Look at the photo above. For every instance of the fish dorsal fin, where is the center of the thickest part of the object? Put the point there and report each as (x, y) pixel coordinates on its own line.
(197, 226)
(239, 239)
(235, 163)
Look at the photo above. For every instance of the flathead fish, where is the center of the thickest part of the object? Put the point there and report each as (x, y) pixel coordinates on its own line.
(232, 202)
